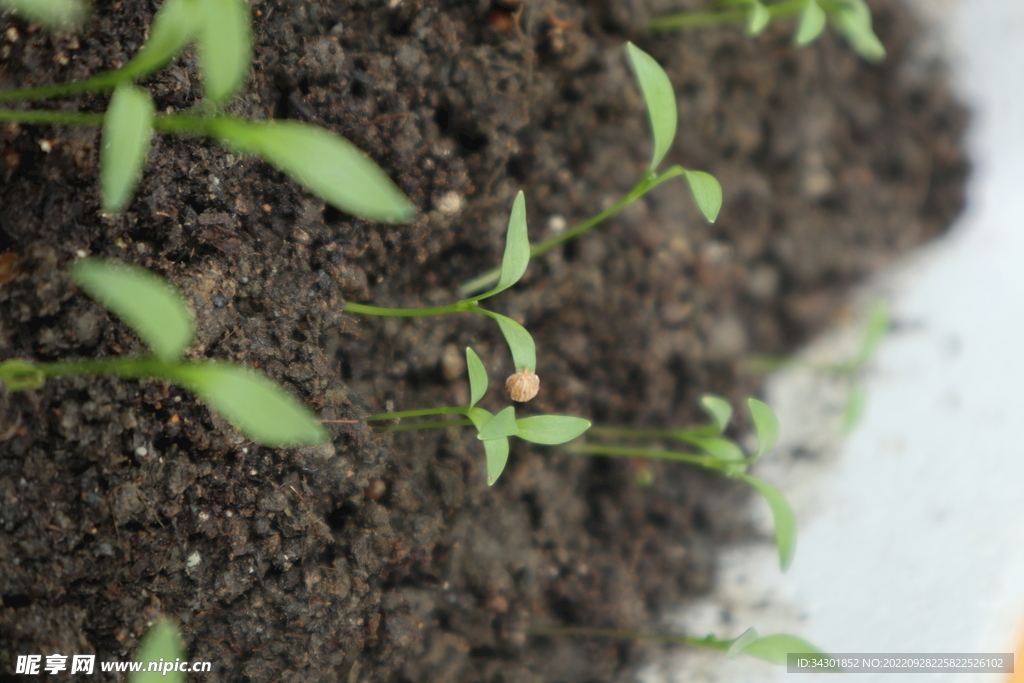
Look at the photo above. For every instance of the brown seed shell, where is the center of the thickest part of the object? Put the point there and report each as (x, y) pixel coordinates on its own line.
(522, 386)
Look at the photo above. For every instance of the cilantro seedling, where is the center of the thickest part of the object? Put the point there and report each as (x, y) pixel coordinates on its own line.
(513, 265)
(492, 429)
(323, 162)
(716, 453)
(162, 649)
(850, 18)
(849, 371)
(159, 315)
(772, 648)
(660, 100)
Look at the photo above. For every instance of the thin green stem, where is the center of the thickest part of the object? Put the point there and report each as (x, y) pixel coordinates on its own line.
(125, 367)
(691, 19)
(447, 410)
(409, 312)
(108, 80)
(67, 118)
(427, 425)
(648, 183)
(655, 453)
(641, 432)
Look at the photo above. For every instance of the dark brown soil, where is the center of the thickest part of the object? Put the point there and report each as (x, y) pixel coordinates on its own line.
(120, 500)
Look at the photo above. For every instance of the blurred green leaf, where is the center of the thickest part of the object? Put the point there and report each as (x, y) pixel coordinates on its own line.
(517, 248)
(775, 647)
(758, 17)
(812, 21)
(477, 376)
(146, 302)
(719, 448)
(224, 40)
(854, 410)
(161, 642)
(502, 424)
(252, 402)
(852, 20)
(497, 456)
(718, 409)
(520, 343)
(479, 417)
(660, 99)
(172, 28)
(785, 520)
(17, 374)
(551, 429)
(739, 644)
(765, 424)
(706, 192)
(57, 15)
(877, 326)
(127, 130)
(324, 163)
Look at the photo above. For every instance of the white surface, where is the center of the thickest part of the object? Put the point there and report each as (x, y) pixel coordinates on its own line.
(912, 531)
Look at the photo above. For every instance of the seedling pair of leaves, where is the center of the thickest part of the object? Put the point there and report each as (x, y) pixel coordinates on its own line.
(772, 648)
(660, 101)
(493, 430)
(326, 164)
(717, 453)
(850, 18)
(513, 264)
(159, 315)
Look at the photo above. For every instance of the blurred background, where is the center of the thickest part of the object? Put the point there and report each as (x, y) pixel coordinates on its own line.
(912, 526)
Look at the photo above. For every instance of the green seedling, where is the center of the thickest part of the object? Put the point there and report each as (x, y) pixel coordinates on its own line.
(660, 100)
(493, 430)
(772, 648)
(716, 453)
(323, 162)
(849, 371)
(850, 18)
(159, 315)
(161, 648)
(513, 265)
(58, 15)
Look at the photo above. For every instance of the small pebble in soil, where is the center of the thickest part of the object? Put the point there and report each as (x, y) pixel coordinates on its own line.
(220, 301)
(375, 489)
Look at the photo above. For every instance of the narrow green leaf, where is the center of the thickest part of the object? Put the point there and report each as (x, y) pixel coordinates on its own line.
(260, 408)
(716, 447)
(146, 302)
(326, 164)
(765, 424)
(775, 647)
(758, 17)
(477, 377)
(517, 248)
(812, 21)
(785, 520)
(502, 424)
(877, 326)
(718, 409)
(660, 99)
(497, 456)
(854, 410)
(57, 15)
(706, 192)
(737, 646)
(225, 47)
(520, 343)
(127, 130)
(480, 417)
(162, 643)
(172, 28)
(17, 374)
(853, 21)
(551, 429)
